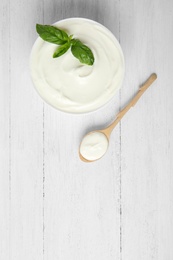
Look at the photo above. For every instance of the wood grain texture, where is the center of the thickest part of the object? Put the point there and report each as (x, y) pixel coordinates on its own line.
(22, 233)
(146, 132)
(52, 205)
(4, 130)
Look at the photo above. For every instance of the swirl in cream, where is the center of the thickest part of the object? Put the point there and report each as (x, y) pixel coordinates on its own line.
(70, 86)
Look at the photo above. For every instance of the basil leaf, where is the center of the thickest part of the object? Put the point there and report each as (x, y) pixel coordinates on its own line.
(52, 34)
(61, 50)
(82, 52)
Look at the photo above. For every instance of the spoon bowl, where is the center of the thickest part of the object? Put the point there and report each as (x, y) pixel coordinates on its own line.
(93, 145)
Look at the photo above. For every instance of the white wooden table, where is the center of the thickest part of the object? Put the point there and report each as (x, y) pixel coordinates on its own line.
(52, 205)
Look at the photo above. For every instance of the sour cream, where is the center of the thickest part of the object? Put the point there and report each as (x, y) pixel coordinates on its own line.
(70, 86)
(94, 146)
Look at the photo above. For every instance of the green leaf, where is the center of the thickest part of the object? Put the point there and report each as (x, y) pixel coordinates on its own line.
(61, 50)
(52, 34)
(82, 52)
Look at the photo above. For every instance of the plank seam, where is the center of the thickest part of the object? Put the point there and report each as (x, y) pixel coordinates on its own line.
(120, 131)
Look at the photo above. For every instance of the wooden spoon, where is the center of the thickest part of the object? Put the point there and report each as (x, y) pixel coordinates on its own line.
(107, 131)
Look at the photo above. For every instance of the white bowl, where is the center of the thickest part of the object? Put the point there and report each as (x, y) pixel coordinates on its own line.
(70, 86)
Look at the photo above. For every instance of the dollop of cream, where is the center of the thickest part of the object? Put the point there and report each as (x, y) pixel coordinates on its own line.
(94, 146)
(70, 86)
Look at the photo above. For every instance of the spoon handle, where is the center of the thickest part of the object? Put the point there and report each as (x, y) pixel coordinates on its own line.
(120, 115)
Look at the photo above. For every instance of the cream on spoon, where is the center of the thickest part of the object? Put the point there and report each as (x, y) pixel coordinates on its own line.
(95, 144)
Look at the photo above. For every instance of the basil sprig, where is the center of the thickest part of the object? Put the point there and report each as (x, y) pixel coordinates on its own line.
(54, 35)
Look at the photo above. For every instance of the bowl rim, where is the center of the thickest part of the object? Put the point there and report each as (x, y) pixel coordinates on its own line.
(110, 99)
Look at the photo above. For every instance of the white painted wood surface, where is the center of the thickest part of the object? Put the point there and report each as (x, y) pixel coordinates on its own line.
(52, 205)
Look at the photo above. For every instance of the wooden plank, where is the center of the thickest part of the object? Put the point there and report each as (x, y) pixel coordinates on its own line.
(53, 206)
(82, 207)
(146, 136)
(26, 223)
(4, 130)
